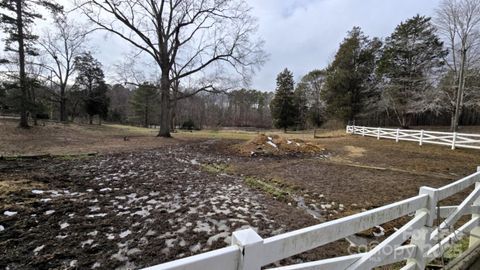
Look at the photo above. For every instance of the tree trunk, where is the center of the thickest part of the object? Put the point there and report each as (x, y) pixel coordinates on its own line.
(63, 107)
(461, 86)
(452, 121)
(90, 119)
(21, 59)
(165, 106)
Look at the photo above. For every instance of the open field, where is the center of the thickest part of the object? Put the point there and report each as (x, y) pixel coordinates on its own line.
(149, 200)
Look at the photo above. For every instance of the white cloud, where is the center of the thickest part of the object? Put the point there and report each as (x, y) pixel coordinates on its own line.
(300, 34)
(309, 36)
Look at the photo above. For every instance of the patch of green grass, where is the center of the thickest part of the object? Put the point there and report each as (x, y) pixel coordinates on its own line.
(456, 250)
(278, 193)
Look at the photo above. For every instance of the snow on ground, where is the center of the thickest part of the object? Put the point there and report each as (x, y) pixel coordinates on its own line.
(122, 209)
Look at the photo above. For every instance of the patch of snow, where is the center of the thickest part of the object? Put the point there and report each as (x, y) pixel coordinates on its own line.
(289, 142)
(45, 200)
(194, 162)
(2, 228)
(297, 144)
(64, 225)
(119, 256)
(94, 208)
(10, 213)
(96, 265)
(89, 190)
(151, 233)
(217, 237)
(38, 249)
(152, 201)
(142, 213)
(270, 138)
(36, 191)
(110, 236)
(87, 242)
(49, 212)
(133, 251)
(195, 248)
(272, 144)
(61, 237)
(381, 233)
(125, 234)
(73, 263)
(97, 215)
(94, 233)
(105, 189)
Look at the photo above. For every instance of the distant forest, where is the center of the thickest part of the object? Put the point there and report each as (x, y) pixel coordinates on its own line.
(427, 72)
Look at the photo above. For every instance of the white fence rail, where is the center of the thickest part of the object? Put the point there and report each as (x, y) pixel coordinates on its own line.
(452, 139)
(251, 252)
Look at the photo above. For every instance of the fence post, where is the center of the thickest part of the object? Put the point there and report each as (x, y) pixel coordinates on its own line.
(421, 237)
(353, 129)
(363, 131)
(251, 245)
(475, 232)
(378, 133)
(454, 140)
(421, 137)
(398, 134)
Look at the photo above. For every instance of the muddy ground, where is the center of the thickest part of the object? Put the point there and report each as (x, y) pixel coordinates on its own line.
(140, 208)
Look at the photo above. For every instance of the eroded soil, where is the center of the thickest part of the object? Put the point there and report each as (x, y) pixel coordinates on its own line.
(136, 209)
(127, 210)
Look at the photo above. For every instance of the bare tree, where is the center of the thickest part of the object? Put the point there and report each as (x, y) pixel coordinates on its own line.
(195, 35)
(459, 23)
(61, 46)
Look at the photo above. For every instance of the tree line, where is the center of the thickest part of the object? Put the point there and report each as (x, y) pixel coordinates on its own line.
(425, 72)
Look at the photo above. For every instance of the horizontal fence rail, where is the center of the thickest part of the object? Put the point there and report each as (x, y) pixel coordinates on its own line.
(452, 139)
(421, 240)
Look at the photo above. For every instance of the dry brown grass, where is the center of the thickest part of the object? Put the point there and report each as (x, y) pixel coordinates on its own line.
(66, 139)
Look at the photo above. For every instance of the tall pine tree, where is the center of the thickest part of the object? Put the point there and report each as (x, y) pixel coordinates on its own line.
(144, 102)
(350, 76)
(283, 109)
(412, 55)
(16, 17)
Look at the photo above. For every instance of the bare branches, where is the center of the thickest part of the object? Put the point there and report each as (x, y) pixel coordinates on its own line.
(459, 22)
(192, 34)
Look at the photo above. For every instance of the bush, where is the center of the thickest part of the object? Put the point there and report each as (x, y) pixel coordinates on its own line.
(188, 125)
(334, 124)
(43, 116)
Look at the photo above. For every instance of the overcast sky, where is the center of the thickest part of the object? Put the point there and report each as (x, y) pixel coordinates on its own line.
(301, 35)
(305, 34)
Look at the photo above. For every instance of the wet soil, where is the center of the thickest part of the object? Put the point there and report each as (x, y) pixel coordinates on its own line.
(135, 209)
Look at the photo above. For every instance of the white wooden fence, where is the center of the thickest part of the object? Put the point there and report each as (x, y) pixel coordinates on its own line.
(452, 139)
(427, 242)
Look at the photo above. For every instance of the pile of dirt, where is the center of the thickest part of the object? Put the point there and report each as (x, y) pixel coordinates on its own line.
(275, 145)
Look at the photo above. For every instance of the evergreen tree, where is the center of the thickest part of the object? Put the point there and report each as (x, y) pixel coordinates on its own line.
(91, 81)
(350, 76)
(16, 17)
(300, 102)
(144, 101)
(412, 55)
(283, 109)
